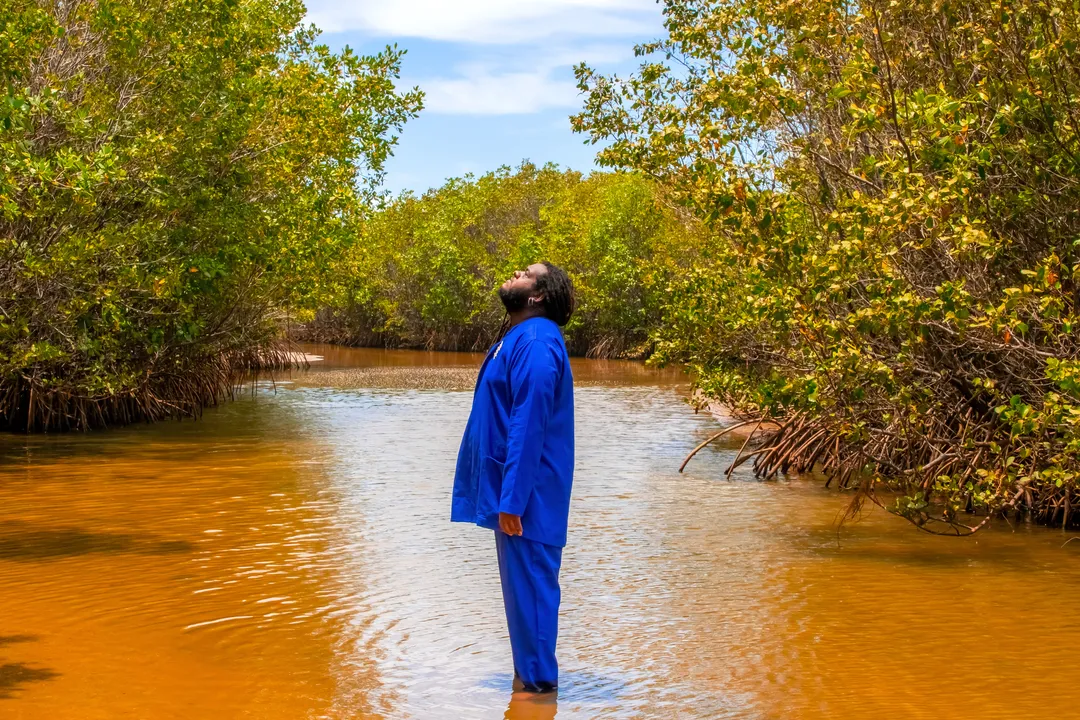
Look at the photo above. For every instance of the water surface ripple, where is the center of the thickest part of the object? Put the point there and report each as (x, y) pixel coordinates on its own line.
(289, 556)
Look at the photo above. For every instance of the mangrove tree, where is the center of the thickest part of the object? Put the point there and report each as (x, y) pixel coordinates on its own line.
(177, 178)
(893, 196)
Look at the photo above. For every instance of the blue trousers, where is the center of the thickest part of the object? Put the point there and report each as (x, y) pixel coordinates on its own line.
(529, 571)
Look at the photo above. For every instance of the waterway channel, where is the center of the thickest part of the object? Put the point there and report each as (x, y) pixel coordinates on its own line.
(289, 556)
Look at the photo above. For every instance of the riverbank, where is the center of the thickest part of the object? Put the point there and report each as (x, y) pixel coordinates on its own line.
(343, 328)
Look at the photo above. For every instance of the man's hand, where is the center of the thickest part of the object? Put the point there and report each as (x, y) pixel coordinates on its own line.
(510, 524)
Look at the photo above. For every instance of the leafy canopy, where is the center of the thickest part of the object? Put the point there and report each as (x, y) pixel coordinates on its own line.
(175, 178)
(425, 271)
(893, 192)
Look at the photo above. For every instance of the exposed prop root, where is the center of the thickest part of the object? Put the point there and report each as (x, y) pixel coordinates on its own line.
(717, 436)
(29, 404)
(907, 467)
(738, 456)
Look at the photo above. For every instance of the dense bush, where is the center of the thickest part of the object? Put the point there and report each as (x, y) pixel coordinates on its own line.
(175, 177)
(893, 190)
(425, 269)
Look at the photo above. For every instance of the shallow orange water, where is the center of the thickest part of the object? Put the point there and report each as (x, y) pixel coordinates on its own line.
(289, 556)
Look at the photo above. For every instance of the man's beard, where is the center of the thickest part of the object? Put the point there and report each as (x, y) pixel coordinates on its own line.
(514, 299)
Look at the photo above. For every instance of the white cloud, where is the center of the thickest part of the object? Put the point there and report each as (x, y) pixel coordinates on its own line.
(593, 54)
(487, 21)
(535, 80)
(507, 57)
(480, 91)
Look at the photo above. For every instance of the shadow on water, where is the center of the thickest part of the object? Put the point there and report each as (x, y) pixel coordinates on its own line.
(237, 422)
(926, 557)
(22, 543)
(13, 639)
(582, 687)
(14, 675)
(878, 546)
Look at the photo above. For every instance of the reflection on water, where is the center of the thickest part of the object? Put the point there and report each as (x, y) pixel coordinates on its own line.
(289, 556)
(535, 707)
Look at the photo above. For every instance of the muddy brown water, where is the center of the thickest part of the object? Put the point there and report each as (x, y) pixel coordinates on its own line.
(289, 556)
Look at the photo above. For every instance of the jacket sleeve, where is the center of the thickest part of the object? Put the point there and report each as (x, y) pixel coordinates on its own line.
(534, 374)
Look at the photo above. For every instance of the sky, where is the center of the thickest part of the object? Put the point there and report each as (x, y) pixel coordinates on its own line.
(498, 75)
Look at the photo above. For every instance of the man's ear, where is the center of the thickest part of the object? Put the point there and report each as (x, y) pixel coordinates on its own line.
(536, 299)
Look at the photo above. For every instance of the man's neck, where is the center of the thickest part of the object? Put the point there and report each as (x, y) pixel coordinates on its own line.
(520, 316)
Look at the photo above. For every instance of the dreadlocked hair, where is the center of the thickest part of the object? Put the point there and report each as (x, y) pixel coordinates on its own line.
(558, 291)
(503, 328)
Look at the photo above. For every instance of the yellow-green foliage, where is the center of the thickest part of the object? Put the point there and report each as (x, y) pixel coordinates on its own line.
(893, 190)
(425, 270)
(174, 176)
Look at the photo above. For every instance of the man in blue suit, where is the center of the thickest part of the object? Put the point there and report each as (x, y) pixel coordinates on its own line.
(516, 463)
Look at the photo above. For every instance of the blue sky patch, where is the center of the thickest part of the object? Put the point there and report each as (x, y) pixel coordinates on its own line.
(498, 75)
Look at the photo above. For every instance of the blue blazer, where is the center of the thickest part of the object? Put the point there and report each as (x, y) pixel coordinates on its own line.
(517, 455)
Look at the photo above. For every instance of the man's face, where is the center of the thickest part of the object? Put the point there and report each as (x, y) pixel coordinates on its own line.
(516, 291)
